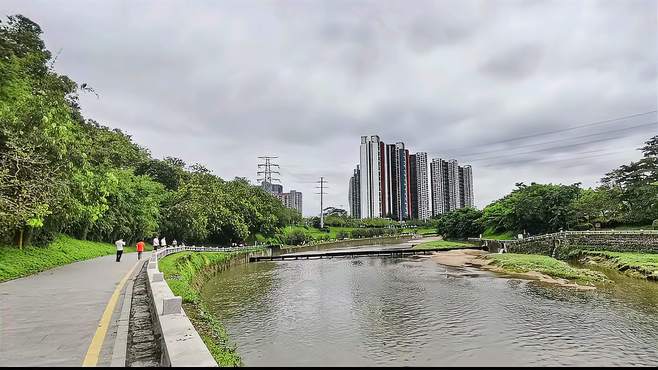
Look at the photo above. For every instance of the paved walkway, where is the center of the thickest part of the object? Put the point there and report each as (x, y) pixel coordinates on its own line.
(50, 318)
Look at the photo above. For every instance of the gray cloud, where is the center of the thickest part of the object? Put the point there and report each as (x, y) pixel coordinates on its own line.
(224, 82)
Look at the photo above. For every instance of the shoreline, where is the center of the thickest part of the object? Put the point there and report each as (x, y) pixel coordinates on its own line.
(478, 259)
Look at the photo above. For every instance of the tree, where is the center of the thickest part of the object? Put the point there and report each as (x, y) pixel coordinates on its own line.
(537, 208)
(633, 184)
(460, 223)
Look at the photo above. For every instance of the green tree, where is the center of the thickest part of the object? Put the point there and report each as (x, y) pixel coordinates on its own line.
(460, 224)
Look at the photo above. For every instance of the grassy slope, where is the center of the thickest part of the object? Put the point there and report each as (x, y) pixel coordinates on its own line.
(546, 265)
(443, 244)
(508, 235)
(646, 264)
(16, 263)
(182, 271)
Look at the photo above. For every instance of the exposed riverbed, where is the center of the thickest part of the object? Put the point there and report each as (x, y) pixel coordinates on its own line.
(415, 312)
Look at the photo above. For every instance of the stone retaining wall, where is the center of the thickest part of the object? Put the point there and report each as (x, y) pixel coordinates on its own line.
(564, 244)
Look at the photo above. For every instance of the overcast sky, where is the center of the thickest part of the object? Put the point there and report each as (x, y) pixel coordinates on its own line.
(223, 82)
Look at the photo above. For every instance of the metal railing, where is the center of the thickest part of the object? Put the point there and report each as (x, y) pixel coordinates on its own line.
(565, 233)
(171, 250)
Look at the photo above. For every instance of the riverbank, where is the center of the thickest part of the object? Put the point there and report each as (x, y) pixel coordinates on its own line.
(639, 265)
(533, 267)
(186, 272)
(442, 244)
(16, 263)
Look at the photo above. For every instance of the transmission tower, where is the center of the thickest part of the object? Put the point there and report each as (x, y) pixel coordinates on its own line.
(322, 187)
(265, 172)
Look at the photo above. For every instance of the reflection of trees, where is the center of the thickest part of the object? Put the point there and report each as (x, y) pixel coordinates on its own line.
(239, 288)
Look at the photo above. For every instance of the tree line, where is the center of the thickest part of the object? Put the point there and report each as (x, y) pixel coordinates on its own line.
(63, 173)
(627, 195)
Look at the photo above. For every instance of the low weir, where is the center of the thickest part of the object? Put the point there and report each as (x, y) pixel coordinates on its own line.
(393, 252)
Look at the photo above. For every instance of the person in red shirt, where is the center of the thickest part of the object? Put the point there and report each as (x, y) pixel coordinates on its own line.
(140, 249)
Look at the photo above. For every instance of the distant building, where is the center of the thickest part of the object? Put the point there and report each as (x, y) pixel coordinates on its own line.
(371, 176)
(354, 193)
(272, 188)
(420, 195)
(395, 184)
(292, 199)
(452, 186)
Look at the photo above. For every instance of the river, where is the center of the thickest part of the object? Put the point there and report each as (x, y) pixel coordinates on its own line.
(413, 312)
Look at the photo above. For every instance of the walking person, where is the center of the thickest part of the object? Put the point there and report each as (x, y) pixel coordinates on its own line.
(119, 244)
(140, 249)
(163, 242)
(174, 243)
(156, 243)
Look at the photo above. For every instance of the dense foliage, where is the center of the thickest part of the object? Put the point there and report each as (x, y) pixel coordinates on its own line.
(627, 196)
(62, 173)
(461, 223)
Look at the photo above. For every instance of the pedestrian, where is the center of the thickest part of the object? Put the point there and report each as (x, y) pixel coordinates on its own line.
(163, 242)
(119, 243)
(156, 243)
(140, 249)
(174, 243)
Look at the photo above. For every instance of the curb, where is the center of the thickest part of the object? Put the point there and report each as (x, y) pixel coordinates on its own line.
(120, 348)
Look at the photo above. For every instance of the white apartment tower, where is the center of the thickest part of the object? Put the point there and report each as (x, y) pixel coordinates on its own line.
(371, 167)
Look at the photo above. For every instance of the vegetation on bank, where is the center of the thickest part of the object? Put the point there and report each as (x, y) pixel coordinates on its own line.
(644, 265)
(16, 263)
(626, 199)
(523, 263)
(447, 244)
(185, 273)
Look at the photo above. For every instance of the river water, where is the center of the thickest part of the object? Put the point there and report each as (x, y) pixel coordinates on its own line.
(413, 312)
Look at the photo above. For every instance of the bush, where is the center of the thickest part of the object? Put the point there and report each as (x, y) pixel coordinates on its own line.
(655, 224)
(296, 237)
(342, 235)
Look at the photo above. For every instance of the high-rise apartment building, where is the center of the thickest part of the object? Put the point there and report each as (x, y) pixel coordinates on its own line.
(452, 186)
(393, 183)
(354, 193)
(292, 199)
(372, 178)
(466, 182)
(420, 195)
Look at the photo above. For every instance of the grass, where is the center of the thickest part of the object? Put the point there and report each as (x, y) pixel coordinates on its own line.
(317, 233)
(16, 263)
(646, 264)
(185, 273)
(489, 234)
(420, 230)
(522, 263)
(443, 244)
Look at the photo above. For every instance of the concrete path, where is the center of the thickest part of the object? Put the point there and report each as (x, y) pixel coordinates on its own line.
(49, 319)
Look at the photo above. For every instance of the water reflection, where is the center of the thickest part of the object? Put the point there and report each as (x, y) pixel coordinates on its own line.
(386, 311)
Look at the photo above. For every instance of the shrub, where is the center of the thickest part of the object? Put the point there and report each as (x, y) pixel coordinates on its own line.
(296, 237)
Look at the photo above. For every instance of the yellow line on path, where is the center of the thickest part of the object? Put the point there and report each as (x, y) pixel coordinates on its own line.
(91, 359)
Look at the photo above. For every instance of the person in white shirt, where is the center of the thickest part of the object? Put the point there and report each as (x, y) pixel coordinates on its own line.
(156, 243)
(174, 243)
(163, 242)
(119, 243)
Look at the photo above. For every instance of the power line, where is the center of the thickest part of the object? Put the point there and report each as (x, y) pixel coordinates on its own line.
(561, 130)
(570, 138)
(540, 150)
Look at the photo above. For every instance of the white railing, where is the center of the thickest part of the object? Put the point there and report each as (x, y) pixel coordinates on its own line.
(160, 253)
(565, 233)
(180, 343)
